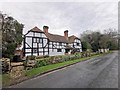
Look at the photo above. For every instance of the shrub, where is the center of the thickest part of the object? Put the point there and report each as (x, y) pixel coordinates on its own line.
(42, 62)
(51, 59)
(75, 50)
(66, 58)
(78, 54)
(25, 64)
(16, 58)
(57, 59)
(39, 57)
(46, 60)
(30, 57)
(72, 57)
(46, 56)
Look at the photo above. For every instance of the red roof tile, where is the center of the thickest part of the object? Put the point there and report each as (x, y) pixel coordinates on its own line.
(36, 29)
(72, 38)
(56, 38)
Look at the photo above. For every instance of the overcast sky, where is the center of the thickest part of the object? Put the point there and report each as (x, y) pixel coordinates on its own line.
(59, 16)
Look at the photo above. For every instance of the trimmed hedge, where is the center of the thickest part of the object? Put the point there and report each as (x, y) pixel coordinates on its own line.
(30, 57)
(47, 60)
(56, 59)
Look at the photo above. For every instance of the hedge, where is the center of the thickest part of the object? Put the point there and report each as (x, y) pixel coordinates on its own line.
(56, 59)
(47, 60)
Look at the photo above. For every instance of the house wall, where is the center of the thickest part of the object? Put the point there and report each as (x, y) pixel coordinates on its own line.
(74, 44)
(77, 44)
(38, 41)
(54, 46)
(54, 52)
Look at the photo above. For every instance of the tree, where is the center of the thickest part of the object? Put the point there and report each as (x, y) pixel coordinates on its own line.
(91, 40)
(11, 35)
(85, 45)
(97, 40)
(112, 38)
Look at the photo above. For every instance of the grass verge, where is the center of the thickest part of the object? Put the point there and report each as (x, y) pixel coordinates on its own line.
(6, 80)
(43, 69)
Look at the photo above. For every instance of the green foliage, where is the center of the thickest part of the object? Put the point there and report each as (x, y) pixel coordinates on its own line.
(42, 62)
(56, 59)
(96, 40)
(113, 45)
(39, 70)
(40, 57)
(86, 45)
(46, 56)
(11, 35)
(74, 50)
(66, 58)
(30, 57)
(78, 55)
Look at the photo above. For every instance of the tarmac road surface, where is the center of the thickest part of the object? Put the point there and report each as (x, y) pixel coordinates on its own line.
(100, 72)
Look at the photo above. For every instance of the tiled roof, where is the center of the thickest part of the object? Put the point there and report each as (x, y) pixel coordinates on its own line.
(72, 38)
(56, 38)
(36, 29)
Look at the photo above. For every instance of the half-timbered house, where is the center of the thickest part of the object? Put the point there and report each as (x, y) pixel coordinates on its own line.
(75, 42)
(37, 42)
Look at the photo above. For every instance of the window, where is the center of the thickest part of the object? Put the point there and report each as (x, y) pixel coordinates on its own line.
(35, 50)
(40, 41)
(37, 40)
(78, 44)
(34, 39)
(59, 50)
(60, 44)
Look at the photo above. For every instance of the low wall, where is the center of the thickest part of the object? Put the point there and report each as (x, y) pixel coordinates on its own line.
(17, 70)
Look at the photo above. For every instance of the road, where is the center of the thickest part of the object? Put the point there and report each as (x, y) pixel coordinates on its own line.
(100, 72)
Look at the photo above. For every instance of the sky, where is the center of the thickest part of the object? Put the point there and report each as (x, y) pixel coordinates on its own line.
(76, 17)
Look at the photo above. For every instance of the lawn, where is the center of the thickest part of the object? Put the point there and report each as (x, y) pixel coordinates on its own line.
(6, 80)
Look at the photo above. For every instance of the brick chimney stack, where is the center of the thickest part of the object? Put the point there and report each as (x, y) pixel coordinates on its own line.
(66, 34)
(45, 29)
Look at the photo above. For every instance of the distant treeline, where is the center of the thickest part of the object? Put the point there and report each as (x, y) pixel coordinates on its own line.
(94, 40)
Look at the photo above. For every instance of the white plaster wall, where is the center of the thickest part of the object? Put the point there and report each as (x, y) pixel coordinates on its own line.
(28, 54)
(54, 53)
(29, 41)
(28, 50)
(30, 34)
(44, 42)
(77, 40)
(37, 34)
(80, 50)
